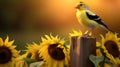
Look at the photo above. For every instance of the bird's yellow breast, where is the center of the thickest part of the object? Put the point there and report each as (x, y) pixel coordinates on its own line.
(78, 15)
(84, 20)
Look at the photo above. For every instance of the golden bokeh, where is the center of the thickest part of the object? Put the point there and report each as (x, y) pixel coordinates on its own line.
(38, 17)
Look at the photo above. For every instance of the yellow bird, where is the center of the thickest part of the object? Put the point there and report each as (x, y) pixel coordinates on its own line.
(89, 18)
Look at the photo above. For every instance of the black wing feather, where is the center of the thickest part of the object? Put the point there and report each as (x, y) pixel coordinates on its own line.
(96, 18)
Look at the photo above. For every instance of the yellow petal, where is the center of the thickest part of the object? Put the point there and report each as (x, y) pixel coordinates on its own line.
(61, 64)
(76, 33)
(21, 57)
(43, 39)
(19, 64)
(50, 64)
(6, 40)
(12, 47)
(66, 61)
(10, 43)
(98, 52)
(98, 44)
(1, 42)
(56, 37)
(89, 33)
(48, 38)
(107, 65)
(54, 64)
(51, 36)
(25, 64)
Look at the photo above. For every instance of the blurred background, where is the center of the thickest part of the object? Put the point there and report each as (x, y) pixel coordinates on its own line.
(27, 20)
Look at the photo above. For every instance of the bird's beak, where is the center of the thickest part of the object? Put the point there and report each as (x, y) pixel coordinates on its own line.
(77, 7)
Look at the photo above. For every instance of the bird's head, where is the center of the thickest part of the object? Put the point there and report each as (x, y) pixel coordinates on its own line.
(80, 6)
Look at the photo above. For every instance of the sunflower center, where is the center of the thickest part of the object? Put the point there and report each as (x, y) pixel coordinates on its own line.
(5, 55)
(112, 48)
(56, 52)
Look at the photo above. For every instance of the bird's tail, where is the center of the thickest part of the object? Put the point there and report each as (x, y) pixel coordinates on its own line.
(108, 29)
(111, 30)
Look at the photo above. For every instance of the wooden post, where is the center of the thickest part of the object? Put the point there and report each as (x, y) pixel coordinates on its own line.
(84, 47)
(73, 46)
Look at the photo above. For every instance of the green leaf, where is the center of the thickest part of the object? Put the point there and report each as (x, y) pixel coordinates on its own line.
(101, 49)
(67, 42)
(28, 60)
(36, 64)
(24, 64)
(96, 59)
(109, 62)
(29, 55)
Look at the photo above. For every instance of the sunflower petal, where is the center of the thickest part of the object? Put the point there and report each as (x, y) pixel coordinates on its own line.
(111, 46)
(6, 40)
(61, 64)
(1, 42)
(76, 33)
(55, 64)
(10, 43)
(48, 38)
(44, 51)
(43, 39)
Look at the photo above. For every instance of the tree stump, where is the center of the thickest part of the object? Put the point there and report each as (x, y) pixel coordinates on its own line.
(81, 48)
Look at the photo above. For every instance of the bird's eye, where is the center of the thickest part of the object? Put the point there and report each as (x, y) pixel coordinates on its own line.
(81, 4)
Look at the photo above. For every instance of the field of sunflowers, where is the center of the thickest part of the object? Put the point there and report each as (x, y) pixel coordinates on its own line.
(53, 51)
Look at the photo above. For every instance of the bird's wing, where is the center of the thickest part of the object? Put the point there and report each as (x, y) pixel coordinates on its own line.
(96, 18)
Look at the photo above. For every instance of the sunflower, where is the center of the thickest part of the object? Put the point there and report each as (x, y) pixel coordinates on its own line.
(33, 49)
(111, 45)
(8, 53)
(20, 62)
(54, 51)
(78, 33)
(98, 51)
(107, 65)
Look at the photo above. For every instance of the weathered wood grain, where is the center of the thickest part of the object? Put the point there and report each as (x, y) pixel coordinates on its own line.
(81, 49)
